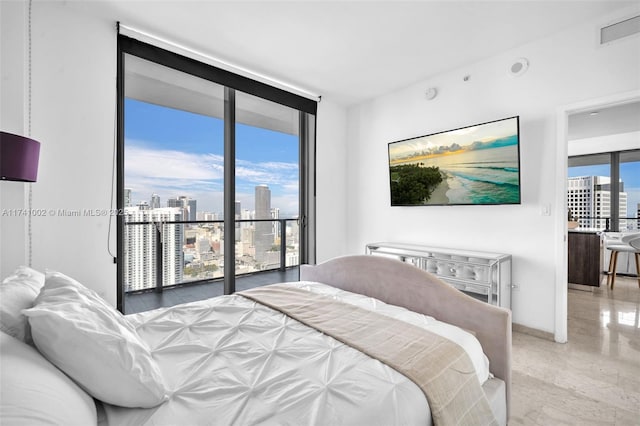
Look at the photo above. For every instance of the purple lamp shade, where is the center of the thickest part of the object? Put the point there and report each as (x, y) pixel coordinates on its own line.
(18, 158)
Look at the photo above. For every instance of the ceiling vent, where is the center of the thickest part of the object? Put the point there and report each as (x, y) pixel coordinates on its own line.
(620, 30)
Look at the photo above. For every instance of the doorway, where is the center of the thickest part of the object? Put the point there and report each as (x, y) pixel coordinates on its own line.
(564, 114)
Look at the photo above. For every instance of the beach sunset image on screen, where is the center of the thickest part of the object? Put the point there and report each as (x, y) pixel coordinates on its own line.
(478, 164)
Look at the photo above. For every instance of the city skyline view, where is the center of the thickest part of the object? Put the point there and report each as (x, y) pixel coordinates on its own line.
(629, 175)
(175, 153)
(194, 251)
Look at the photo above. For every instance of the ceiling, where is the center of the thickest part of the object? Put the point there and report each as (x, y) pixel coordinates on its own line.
(610, 120)
(350, 51)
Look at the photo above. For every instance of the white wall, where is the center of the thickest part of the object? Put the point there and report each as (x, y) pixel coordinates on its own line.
(73, 116)
(74, 101)
(12, 119)
(331, 185)
(565, 68)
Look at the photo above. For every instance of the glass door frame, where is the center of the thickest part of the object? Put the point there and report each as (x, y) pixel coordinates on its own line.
(307, 108)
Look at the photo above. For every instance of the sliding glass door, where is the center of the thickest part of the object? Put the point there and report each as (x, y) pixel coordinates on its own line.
(215, 174)
(173, 176)
(267, 184)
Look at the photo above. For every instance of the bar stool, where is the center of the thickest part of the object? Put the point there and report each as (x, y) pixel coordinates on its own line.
(628, 244)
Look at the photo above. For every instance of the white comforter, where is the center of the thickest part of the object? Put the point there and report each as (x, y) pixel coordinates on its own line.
(230, 361)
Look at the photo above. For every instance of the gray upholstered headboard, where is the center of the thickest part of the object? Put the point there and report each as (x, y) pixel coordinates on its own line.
(404, 285)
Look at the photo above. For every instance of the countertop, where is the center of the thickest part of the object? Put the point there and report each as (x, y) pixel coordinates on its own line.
(586, 230)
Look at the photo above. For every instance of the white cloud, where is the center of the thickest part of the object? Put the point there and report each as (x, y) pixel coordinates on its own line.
(268, 173)
(169, 164)
(172, 173)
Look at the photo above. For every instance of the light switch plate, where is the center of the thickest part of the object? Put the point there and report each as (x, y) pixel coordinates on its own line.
(545, 210)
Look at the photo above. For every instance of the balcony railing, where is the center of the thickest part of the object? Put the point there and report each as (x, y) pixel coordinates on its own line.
(161, 254)
(604, 223)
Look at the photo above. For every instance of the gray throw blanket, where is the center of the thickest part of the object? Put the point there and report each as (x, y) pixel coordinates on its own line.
(440, 367)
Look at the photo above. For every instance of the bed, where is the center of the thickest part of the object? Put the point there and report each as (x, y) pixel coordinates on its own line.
(236, 360)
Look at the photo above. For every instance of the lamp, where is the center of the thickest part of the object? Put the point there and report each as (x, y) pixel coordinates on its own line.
(18, 158)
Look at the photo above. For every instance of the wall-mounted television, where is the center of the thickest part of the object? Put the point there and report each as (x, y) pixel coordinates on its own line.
(478, 164)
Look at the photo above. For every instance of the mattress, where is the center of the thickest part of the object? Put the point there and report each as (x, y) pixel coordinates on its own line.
(228, 360)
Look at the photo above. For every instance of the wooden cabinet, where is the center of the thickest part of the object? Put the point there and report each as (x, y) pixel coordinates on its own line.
(484, 276)
(584, 260)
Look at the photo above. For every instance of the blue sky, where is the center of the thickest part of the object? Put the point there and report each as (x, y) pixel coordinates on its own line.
(172, 152)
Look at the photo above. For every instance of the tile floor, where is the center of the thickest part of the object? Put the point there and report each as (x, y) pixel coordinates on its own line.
(594, 379)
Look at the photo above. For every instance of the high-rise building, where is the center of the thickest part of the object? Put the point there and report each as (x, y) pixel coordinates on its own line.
(263, 238)
(295, 232)
(589, 199)
(192, 209)
(238, 216)
(275, 214)
(127, 197)
(209, 216)
(155, 201)
(246, 237)
(186, 205)
(175, 202)
(141, 248)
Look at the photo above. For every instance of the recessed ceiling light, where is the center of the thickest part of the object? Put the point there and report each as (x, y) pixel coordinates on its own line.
(519, 67)
(594, 113)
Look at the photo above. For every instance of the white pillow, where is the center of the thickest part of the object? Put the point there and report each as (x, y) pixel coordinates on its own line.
(35, 392)
(81, 334)
(18, 292)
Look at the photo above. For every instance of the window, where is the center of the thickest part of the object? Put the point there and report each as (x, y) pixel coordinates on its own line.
(267, 184)
(173, 176)
(215, 173)
(629, 201)
(611, 186)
